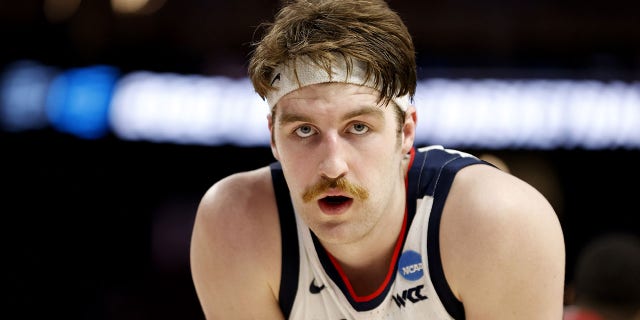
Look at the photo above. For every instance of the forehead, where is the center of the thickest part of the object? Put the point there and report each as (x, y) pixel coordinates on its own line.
(326, 95)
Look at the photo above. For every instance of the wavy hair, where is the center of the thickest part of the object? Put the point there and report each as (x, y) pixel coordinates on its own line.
(367, 30)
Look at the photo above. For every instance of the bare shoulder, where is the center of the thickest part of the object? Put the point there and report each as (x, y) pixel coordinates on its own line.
(237, 229)
(241, 197)
(502, 247)
(240, 210)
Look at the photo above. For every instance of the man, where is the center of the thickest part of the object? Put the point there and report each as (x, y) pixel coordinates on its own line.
(352, 221)
(606, 281)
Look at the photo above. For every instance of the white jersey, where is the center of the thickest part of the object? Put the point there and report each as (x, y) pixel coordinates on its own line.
(314, 287)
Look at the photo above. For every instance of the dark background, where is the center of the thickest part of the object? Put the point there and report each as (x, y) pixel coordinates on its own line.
(99, 229)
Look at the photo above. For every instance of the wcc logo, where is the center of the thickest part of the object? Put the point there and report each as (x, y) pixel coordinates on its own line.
(414, 295)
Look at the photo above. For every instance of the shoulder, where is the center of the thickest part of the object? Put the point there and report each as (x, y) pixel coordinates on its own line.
(239, 210)
(237, 197)
(501, 245)
(235, 245)
(488, 197)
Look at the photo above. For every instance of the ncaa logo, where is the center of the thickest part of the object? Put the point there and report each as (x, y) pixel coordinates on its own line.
(410, 265)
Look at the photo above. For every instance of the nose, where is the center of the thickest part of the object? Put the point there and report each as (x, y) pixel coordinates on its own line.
(334, 157)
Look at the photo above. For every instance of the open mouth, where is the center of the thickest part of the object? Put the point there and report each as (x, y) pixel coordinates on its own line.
(335, 200)
(334, 204)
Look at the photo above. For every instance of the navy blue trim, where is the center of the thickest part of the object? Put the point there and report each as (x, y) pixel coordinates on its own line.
(413, 183)
(337, 279)
(414, 188)
(442, 167)
(290, 269)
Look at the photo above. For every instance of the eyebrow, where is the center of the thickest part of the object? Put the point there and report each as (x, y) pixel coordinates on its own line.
(369, 110)
(287, 118)
(377, 112)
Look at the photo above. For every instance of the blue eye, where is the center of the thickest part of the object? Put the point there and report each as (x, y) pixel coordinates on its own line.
(359, 128)
(305, 131)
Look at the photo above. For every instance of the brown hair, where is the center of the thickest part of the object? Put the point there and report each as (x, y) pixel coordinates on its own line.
(367, 30)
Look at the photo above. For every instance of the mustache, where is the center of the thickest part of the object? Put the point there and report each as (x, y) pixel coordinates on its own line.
(340, 184)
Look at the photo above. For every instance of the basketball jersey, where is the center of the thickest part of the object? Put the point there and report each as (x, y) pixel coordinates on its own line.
(313, 286)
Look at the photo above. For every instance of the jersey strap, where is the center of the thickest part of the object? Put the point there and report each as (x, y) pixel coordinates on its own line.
(433, 171)
(290, 254)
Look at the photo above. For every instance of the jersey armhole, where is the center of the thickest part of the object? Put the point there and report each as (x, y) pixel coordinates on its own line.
(290, 252)
(444, 182)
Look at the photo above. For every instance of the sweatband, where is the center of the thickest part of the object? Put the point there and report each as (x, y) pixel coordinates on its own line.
(287, 78)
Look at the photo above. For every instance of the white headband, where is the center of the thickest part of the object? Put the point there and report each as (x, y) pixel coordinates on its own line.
(284, 78)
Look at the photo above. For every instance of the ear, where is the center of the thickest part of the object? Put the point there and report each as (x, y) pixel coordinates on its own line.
(274, 149)
(409, 129)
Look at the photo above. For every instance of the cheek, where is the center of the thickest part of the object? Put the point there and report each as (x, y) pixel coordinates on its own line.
(291, 156)
(297, 179)
(296, 164)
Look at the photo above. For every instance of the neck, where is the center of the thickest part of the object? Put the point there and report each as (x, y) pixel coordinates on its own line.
(368, 263)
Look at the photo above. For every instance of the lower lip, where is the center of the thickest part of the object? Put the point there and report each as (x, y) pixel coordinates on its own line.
(334, 209)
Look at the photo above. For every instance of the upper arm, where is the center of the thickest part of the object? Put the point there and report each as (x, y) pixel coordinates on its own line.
(502, 247)
(235, 250)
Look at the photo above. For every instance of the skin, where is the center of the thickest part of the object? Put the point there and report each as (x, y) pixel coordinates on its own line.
(502, 246)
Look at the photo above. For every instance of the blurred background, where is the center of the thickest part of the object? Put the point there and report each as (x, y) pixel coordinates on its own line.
(116, 116)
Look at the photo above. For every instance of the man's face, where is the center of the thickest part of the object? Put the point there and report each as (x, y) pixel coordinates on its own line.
(342, 157)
